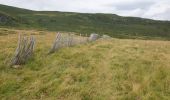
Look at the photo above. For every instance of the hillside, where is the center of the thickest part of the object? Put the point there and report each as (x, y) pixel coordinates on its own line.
(115, 69)
(111, 24)
(106, 69)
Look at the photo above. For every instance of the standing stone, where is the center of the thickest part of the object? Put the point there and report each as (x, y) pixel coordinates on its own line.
(93, 37)
(24, 50)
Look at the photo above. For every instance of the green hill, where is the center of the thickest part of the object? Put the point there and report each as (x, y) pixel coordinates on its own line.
(111, 24)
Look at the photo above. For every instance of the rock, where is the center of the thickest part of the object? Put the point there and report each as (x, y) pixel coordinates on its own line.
(24, 50)
(106, 37)
(4, 18)
(93, 37)
(16, 66)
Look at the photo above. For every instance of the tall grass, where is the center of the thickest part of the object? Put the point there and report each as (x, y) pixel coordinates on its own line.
(117, 69)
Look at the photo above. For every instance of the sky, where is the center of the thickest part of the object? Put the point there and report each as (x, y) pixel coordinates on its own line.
(153, 9)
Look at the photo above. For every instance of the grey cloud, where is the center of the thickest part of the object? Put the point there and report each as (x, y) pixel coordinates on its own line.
(133, 5)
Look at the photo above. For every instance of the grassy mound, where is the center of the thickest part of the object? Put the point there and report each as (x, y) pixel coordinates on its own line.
(102, 70)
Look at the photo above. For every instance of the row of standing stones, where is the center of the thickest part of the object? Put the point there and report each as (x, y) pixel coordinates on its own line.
(26, 46)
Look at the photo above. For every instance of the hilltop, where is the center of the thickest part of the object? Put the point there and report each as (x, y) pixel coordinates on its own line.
(111, 24)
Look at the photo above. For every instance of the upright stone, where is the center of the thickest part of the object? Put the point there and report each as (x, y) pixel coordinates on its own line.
(93, 37)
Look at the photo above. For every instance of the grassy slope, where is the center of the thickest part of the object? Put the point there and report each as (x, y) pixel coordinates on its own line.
(102, 70)
(116, 26)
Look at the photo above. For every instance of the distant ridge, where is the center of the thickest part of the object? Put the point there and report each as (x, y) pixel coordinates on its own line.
(111, 24)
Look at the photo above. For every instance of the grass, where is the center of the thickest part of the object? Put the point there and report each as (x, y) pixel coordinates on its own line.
(117, 69)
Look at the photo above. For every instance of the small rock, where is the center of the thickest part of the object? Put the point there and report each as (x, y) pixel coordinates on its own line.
(106, 37)
(16, 66)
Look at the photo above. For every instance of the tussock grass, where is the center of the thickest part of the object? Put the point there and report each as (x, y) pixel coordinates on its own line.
(116, 69)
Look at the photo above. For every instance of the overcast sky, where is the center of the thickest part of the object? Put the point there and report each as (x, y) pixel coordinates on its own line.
(154, 9)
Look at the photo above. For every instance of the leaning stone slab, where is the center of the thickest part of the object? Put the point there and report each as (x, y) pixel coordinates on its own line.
(24, 50)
